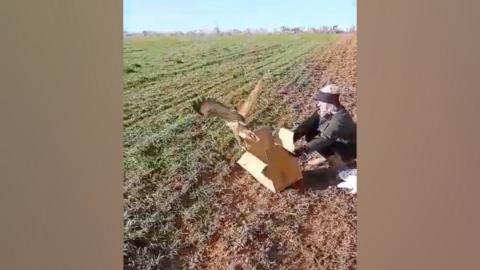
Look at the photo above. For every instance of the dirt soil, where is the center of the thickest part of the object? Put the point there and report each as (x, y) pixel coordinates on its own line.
(293, 229)
(231, 221)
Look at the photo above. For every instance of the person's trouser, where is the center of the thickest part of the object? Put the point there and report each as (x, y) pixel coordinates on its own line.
(346, 151)
(309, 129)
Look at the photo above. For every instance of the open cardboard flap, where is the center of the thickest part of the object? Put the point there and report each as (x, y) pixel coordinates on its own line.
(269, 162)
(284, 138)
(256, 168)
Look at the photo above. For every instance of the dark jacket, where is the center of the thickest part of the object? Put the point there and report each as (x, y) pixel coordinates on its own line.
(322, 133)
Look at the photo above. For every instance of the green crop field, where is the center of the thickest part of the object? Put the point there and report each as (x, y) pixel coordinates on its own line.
(171, 154)
(162, 76)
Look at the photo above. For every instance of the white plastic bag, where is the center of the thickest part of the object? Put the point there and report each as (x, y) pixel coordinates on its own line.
(349, 178)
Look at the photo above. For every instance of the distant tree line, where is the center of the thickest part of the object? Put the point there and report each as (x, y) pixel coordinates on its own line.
(232, 32)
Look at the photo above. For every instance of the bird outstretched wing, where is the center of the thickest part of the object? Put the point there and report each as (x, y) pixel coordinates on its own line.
(235, 120)
(212, 108)
(209, 107)
(251, 100)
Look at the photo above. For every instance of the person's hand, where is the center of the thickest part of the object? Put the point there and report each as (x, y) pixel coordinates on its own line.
(251, 136)
(299, 150)
(247, 134)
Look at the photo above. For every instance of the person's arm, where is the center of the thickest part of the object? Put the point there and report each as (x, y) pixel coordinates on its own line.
(327, 138)
(307, 127)
(320, 143)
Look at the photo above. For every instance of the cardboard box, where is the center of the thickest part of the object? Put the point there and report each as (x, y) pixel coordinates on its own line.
(269, 160)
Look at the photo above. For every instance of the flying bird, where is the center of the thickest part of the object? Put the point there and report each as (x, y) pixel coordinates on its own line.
(234, 119)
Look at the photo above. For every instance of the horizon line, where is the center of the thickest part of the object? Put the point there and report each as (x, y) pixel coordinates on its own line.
(243, 29)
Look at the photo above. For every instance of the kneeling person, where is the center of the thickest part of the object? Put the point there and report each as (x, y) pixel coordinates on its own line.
(330, 131)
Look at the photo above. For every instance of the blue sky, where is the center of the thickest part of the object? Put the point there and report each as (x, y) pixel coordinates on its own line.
(185, 15)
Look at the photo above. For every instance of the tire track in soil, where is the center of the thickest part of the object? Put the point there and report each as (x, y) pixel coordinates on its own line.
(241, 192)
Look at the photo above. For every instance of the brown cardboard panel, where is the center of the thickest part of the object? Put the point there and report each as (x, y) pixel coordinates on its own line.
(265, 142)
(282, 168)
(271, 164)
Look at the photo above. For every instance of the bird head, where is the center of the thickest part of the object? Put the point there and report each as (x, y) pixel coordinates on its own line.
(197, 105)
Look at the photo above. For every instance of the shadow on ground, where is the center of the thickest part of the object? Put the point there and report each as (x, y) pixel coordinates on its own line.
(319, 179)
